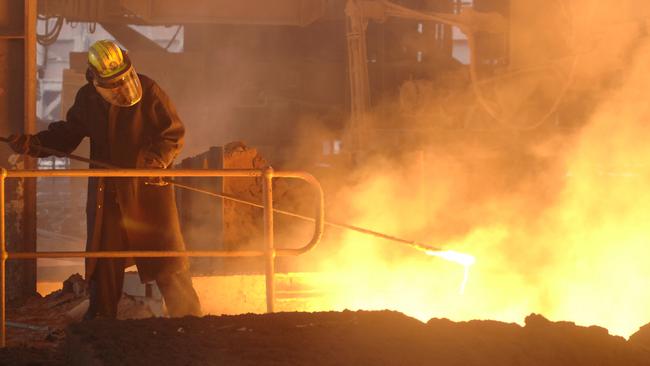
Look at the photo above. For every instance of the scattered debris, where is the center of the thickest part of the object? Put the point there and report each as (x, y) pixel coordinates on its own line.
(27, 326)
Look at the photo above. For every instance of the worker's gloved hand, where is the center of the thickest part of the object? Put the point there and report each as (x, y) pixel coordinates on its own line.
(24, 143)
(154, 181)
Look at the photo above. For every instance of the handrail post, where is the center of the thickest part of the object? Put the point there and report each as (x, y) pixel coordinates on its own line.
(3, 259)
(269, 257)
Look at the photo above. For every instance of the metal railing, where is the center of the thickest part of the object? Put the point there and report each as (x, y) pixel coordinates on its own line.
(269, 253)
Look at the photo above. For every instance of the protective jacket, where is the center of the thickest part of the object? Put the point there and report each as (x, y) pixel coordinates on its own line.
(145, 135)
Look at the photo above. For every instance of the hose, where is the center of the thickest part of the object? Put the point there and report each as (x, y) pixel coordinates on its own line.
(50, 37)
(480, 94)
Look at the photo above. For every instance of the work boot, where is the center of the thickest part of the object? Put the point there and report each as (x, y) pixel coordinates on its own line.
(179, 294)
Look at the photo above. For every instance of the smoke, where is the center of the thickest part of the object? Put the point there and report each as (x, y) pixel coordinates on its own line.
(603, 210)
(549, 196)
(556, 217)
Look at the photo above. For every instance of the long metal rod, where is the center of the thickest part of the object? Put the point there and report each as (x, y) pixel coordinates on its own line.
(339, 225)
(212, 173)
(269, 258)
(71, 156)
(414, 244)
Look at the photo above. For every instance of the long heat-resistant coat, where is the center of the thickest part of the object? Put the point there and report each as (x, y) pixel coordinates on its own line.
(127, 137)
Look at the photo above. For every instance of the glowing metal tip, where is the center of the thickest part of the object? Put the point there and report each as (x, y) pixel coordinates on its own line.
(452, 256)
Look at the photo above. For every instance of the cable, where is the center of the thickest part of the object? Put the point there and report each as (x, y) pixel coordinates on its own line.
(480, 95)
(466, 27)
(50, 37)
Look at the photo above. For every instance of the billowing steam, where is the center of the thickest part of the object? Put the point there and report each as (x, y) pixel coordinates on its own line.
(557, 221)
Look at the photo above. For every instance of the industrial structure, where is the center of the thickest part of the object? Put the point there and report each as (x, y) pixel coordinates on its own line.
(327, 87)
(254, 72)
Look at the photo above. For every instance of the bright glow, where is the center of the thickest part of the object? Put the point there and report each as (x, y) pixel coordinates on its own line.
(452, 256)
(463, 259)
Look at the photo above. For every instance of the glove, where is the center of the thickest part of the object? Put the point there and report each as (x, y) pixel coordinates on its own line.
(154, 181)
(23, 144)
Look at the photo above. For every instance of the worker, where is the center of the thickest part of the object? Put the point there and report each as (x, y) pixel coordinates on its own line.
(131, 123)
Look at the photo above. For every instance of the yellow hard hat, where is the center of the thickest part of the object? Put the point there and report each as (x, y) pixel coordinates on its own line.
(106, 58)
(113, 74)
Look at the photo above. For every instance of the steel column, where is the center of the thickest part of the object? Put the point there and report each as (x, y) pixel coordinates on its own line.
(28, 237)
(30, 68)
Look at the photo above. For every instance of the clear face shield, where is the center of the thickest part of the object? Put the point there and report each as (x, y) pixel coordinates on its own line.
(123, 90)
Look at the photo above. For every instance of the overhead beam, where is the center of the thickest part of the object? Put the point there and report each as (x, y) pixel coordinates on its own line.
(164, 12)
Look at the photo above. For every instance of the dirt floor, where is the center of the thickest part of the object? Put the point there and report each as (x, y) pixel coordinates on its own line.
(336, 338)
(42, 332)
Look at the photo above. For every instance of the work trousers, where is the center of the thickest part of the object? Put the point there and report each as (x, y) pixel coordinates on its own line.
(106, 282)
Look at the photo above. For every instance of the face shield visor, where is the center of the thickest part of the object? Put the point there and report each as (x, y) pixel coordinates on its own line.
(123, 90)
